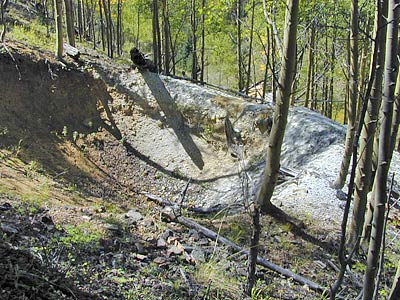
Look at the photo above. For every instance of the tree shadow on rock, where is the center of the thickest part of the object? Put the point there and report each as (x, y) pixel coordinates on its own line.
(174, 118)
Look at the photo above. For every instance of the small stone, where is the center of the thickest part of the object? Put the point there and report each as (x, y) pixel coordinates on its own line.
(175, 250)
(140, 248)
(5, 206)
(166, 234)
(47, 220)
(140, 257)
(134, 216)
(171, 240)
(203, 242)
(8, 228)
(161, 243)
(160, 260)
(86, 218)
(100, 209)
(113, 227)
(342, 196)
(198, 254)
(194, 235)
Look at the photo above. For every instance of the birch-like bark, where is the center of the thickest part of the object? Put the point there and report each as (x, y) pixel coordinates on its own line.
(364, 168)
(384, 155)
(352, 108)
(281, 109)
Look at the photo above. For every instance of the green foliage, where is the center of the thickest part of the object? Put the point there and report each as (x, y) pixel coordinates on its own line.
(65, 131)
(34, 202)
(35, 34)
(359, 267)
(81, 235)
(32, 168)
(3, 130)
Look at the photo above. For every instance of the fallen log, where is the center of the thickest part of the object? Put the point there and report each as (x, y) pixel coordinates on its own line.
(220, 239)
(177, 207)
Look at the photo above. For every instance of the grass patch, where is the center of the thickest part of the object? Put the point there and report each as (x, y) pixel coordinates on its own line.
(82, 236)
(35, 34)
(222, 285)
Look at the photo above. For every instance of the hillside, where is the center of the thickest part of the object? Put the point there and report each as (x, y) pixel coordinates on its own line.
(80, 142)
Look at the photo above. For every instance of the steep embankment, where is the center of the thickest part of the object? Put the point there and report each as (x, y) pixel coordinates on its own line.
(146, 125)
(43, 104)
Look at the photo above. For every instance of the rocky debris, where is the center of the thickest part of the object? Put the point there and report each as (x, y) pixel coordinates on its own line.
(24, 277)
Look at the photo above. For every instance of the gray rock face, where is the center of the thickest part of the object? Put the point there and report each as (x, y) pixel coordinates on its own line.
(308, 133)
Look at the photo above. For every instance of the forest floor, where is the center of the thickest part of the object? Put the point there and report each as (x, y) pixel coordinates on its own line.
(80, 142)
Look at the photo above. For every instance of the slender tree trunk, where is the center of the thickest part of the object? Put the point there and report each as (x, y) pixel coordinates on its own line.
(59, 28)
(273, 81)
(363, 68)
(395, 291)
(172, 51)
(69, 14)
(364, 168)
(107, 30)
(80, 20)
(203, 40)
(268, 63)
(88, 14)
(332, 64)
(390, 76)
(377, 94)
(396, 117)
(138, 31)
(110, 29)
(103, 38)
(325, 79)
(297, 66)
(159, 41)
(3, 4)
(193, 22)
(310, 64)
(93, 2)
(248, 75)
(253, 252)
(88, 21)
(119, 27)
(154, 31)
(347, 74)
(281, 109)
(83, 19)
(351, 125)
(314, 89)
(239, 15)
(166, 40)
